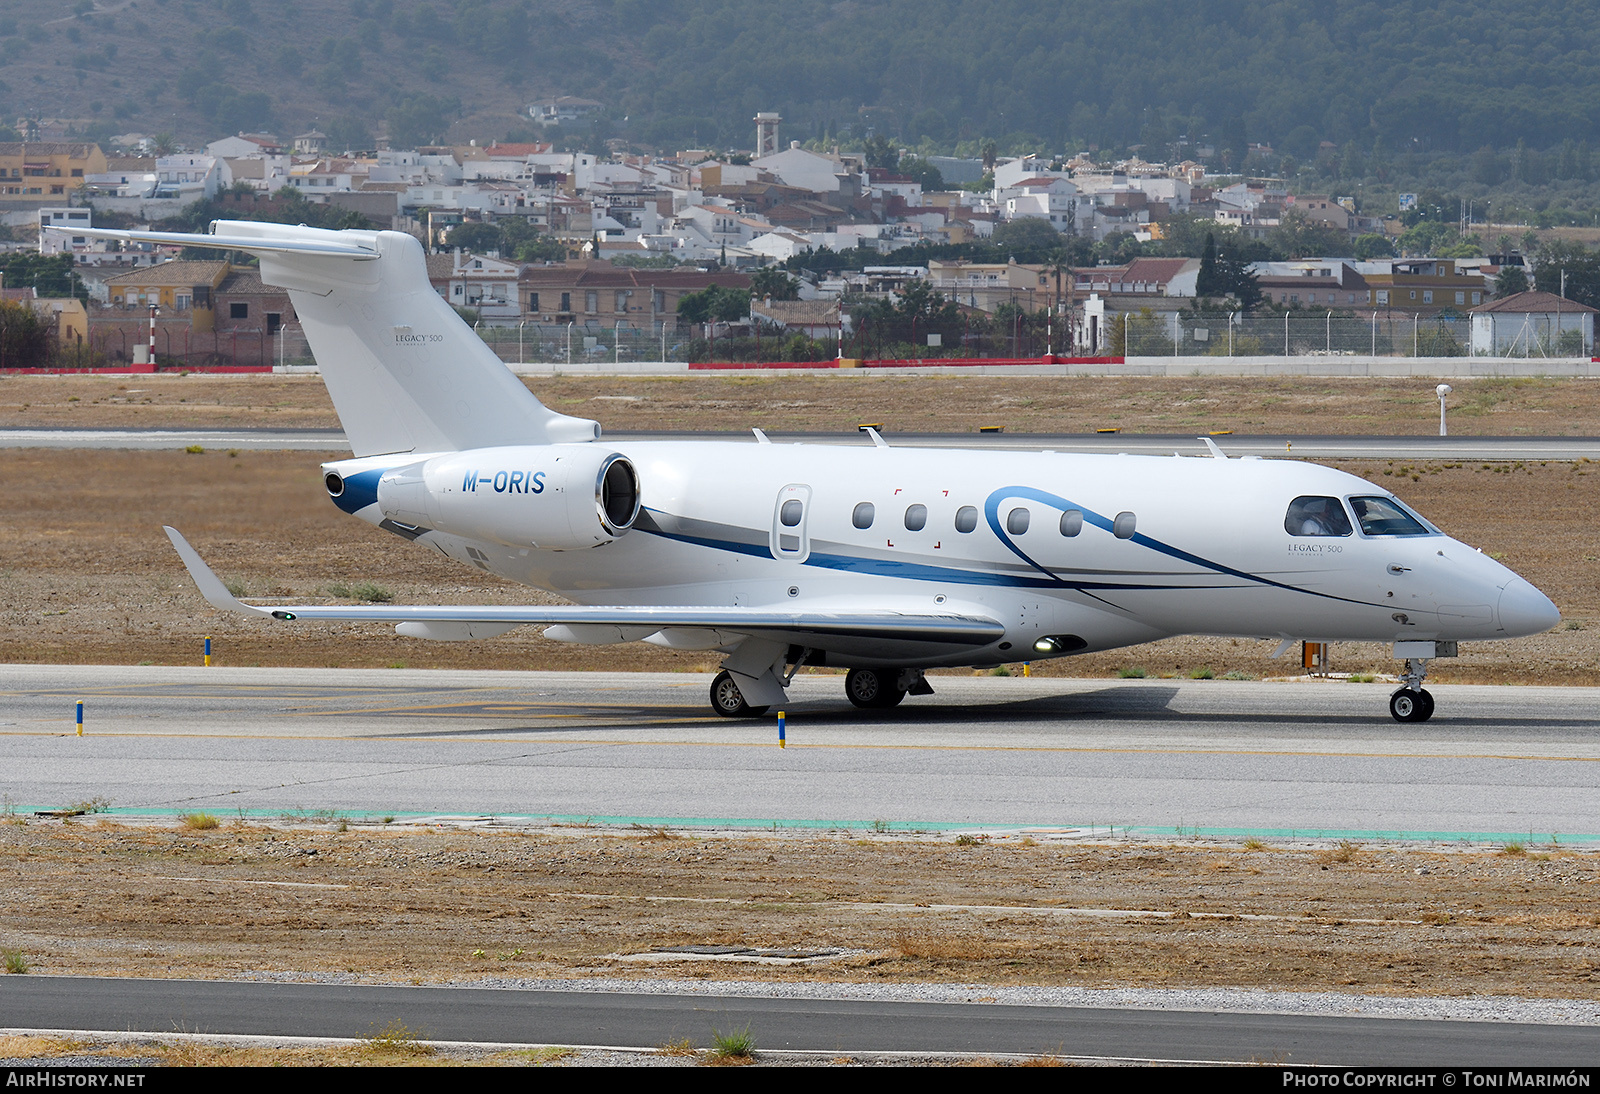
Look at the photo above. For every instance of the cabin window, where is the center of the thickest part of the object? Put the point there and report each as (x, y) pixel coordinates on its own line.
(1386, 517)
(862, 517)
(789, 515)
(966, 518)
(1316, 516)
(1123, 526)
(1071, 522)
(1017, 521)
(916, 518)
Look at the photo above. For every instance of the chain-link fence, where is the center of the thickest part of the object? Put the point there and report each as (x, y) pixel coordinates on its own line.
(179, 346)
(556, 345)
(1379, 334)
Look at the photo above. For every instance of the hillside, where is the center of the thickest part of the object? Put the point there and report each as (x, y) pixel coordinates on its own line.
(1382, 85)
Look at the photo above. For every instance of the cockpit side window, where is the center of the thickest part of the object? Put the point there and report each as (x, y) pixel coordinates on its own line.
(1316, 516)
(1386, 517)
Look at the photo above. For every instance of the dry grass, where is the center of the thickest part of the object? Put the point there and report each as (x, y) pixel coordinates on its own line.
(920, 946)
(396, 1039)
(1345, 852)
(408, 905)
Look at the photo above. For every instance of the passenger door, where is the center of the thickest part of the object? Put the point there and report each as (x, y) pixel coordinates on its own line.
(789, 517)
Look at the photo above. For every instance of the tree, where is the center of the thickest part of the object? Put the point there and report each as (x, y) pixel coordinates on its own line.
(50, 275)
(1579, 265)
(1298, 236)
(1206, 282)
(1371, 245)
(348, 133)
(475, 236)
(1234, 277)
(25, 340)
(714, 304)
(921, 171)
(1138, 334)
(419, 119)
(772, 283)
(1028, 239)
(881, 153)
(1512, 280)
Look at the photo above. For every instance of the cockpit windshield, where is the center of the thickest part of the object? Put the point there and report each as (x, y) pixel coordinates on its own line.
(1386, 517)
(1317, 516)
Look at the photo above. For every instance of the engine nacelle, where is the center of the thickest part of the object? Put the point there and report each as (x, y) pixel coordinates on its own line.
(557, 497)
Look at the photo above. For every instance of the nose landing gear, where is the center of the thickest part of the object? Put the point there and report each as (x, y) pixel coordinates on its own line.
(1411, 703)
(1411, 706)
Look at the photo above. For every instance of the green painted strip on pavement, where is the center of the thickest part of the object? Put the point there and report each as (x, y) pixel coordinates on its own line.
(781, 823)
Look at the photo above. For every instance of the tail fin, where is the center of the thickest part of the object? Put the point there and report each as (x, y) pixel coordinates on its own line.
(405, 373)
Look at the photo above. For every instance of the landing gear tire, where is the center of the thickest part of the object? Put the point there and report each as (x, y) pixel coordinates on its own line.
(872, 689)
(728, 701)
(1411, 706)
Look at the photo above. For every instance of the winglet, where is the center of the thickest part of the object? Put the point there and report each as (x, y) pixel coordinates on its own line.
(210, 585)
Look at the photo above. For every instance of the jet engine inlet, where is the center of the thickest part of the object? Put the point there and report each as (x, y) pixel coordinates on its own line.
(616, 494)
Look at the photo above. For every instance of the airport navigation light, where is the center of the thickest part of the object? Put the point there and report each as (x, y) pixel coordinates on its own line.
(1442, 390)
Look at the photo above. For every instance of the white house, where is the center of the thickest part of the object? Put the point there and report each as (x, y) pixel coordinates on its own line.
(487, 285)
(794, 166)
(188, 177)
(1533, 324)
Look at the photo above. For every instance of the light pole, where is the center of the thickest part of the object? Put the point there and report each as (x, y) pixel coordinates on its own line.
(1442, 390)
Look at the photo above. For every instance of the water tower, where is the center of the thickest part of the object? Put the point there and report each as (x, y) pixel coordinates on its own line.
(766, 133)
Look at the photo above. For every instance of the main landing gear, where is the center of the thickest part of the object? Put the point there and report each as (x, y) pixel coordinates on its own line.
(879, 689)
(728, 701)
(870, 689)
(1411, 703)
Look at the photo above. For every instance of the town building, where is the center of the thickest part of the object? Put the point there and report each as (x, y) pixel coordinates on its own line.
(45, 172)
(597, 294)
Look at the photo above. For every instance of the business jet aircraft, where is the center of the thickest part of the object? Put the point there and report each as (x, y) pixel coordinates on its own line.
(886, 561)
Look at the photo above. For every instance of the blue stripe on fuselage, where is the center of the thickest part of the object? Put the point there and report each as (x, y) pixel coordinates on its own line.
(917, 571)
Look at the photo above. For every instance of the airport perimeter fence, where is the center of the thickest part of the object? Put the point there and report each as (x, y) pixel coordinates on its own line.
(178, 347)
(1122, 334)
(1295, 334)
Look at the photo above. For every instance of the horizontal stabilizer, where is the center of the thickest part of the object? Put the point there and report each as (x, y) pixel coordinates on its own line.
(253, 244)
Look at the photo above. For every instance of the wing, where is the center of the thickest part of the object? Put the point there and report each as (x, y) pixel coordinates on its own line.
(836, 630)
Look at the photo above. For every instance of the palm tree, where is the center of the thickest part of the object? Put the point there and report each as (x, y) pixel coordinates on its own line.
(1059, 263)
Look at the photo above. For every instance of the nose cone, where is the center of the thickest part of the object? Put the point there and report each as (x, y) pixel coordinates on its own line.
(1525, 610)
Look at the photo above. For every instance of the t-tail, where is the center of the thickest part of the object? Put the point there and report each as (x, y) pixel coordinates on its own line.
(405, 373)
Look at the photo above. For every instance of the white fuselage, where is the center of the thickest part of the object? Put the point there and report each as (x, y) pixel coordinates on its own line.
(1208, 552)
